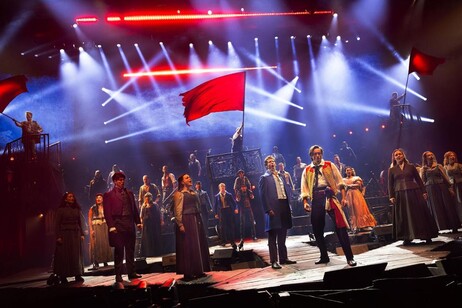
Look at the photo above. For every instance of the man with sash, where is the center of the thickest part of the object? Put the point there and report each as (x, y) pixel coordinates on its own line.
(320, 183)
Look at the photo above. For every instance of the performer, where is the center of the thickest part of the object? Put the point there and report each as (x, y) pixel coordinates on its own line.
(206, 206)
(321, 181)
(68, 257)
(148, 187)
(97, 185)
(237, 141)
(347, 154)
(278, 219)
(395, 109)
(244, 195)
(194, 166)
(192, 252)
(100, 250)
(279, 158)
(440, 193)
(340, 166)
(454, 171)
(169, 184)
(109, 182)
(411, 218)
(297, 171)
(361, 219)
(31, 131)
(224, 209)
(122, 215)
(152, 221)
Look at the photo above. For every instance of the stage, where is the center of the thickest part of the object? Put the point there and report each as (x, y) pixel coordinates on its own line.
(382, 267)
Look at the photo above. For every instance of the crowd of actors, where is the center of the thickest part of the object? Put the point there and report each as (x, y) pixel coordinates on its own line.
(426, 199)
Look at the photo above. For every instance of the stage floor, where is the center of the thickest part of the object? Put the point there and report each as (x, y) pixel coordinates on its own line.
(305, 274)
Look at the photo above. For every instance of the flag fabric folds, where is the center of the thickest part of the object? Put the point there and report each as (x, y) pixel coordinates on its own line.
(10, 88)
(224, 93)
(423, 64)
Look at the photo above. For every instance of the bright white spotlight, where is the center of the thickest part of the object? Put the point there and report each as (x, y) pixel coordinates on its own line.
(118, 45)
(256, 39)
(99, 46)
(323, 37)
(209, 12)
(74, 26)
(191, 45)
(161, 43)
(338, 38)
(308, 36)
(358, 38)
(242, 9)
(335, 15)
(136, 44)
(292, 37)
(81, 49)
(276, 38)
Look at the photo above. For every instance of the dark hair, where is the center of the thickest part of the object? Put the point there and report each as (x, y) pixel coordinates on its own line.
(314, 147)
(198, 182)
(64, 203)
(98, 194)
(180, 179)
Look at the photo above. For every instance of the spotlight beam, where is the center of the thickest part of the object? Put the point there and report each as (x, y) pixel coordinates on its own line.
(271, 116)
(195, 71)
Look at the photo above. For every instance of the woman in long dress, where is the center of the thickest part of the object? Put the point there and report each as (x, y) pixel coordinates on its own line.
(68, 257)
(100, 250)
(410, 215)
(440, 194)
(454, 171)
(151, 219)
(192, 251)
(361, 219)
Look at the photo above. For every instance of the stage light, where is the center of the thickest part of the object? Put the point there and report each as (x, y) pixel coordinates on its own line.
(350, 132)
(334, 136)
(358, 38)
(366, 129)
(74, 26)
(191, 45)
(276, 38)
(178, 12)
(242, 9)
(118, 45)
(292, 37)
(80, 49)
(136, 44)
(210, 43)
(195, 71)
(335, 15)
(338, 38)
(383, 126)
(99, 46)
(209, 12)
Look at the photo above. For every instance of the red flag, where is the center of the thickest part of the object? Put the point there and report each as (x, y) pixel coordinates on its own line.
(220, 94)
(10, 88)
(423, 64)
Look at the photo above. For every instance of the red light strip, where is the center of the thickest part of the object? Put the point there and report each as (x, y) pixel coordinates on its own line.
(146, 17)
(86, 20)
(195, 71)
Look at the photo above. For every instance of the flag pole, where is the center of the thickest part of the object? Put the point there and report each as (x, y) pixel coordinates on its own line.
(9, 117)
(402, 114)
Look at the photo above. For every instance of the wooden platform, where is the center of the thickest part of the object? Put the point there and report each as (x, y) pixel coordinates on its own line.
(303, 275)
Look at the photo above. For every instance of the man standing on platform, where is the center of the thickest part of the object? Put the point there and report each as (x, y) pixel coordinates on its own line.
(278, 219)
(31, 131)
(122, 215)
(321, 181)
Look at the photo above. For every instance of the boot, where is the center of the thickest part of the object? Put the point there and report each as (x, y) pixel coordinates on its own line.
(241, 245)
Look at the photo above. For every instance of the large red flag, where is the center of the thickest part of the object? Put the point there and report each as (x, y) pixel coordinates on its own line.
(220, 94)
(10, 88)
(423, 64)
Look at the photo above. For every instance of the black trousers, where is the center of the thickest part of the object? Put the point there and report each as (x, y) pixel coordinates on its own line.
(318, 215)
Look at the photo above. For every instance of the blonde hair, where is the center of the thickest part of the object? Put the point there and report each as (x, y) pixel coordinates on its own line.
(446, 157)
